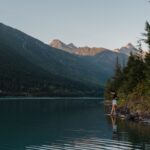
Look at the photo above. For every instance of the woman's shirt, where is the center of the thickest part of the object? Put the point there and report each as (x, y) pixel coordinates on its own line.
(114, 102)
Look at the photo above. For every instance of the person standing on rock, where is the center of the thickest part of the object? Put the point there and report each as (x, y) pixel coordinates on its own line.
(114, 104)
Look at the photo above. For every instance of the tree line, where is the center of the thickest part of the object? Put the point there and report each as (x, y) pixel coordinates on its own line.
(132, 83)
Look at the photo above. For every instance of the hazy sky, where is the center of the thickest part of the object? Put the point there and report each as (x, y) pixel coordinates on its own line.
(99, 23)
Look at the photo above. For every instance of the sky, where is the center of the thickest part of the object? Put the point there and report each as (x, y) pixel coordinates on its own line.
(95, 23)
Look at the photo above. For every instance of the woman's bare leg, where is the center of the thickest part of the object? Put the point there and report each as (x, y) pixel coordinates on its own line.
(113, 110)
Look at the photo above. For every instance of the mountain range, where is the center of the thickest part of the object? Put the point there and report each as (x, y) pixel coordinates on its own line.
(90, 51)
(31, 67)
(102, 59)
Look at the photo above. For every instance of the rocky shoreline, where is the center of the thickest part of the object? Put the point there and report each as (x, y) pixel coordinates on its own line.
(125, 113)
(140, 116)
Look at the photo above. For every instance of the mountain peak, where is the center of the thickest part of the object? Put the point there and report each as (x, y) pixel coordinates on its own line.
(127, 49)
(60, 45)
(129, 45)
(71, 45)
(56, 43)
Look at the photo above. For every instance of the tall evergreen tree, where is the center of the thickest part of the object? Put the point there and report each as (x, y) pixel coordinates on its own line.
(134, 72)
(147, 57)
(147, 69)
(147, 34)
(118, 75)
(114, 83)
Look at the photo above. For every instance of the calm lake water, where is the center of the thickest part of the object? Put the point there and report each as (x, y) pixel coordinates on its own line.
(66, 124)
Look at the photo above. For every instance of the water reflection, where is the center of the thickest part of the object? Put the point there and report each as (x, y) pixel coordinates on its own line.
(66, 124)
(138, 133)
(114, 127)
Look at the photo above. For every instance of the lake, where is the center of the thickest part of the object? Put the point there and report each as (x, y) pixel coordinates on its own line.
(66, 124)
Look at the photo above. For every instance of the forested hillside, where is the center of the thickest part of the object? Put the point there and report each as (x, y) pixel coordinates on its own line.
(30, 67)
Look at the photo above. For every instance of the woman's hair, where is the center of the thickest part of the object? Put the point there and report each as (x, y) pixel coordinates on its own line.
(115, 96)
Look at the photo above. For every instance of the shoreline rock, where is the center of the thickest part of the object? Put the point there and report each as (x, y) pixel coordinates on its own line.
(125, 113)
(135, 116)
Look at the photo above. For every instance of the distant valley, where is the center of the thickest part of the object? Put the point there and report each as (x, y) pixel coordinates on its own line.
(102, 59)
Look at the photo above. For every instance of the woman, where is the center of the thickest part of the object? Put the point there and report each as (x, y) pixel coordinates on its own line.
(114, 105)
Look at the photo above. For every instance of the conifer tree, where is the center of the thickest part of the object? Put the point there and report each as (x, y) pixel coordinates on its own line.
(147, 57)
(118, 75)
(147, 34)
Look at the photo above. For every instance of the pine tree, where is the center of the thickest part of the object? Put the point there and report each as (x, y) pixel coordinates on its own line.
(147, 34)
(147, 57)
(131, 76)
(118, 75)
(114, 83)
(147, 71)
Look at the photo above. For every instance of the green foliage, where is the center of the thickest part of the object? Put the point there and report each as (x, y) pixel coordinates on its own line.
(114, 83)
(147, 69)
(108, 89)
(147, 34)
(132, 85)
(133, 72)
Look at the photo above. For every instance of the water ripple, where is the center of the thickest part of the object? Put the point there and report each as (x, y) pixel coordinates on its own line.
(87, 144)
